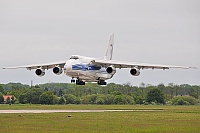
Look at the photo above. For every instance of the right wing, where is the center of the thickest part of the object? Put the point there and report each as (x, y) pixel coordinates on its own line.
(123, 64)
(42, 66)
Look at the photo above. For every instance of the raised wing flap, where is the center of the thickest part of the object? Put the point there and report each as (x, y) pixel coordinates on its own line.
(43, 66)
(123, 64)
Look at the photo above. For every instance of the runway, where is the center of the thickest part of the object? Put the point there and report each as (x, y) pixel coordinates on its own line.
(68, 111)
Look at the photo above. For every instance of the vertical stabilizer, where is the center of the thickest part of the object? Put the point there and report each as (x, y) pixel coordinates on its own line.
(109, 51)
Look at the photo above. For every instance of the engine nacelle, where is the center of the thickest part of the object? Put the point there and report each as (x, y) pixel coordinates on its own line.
(111, 70)
(135, 72)
(57, 70)
(40, 72)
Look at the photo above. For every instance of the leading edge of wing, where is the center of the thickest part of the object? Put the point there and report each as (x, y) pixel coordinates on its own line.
(123, 64)
(42, 66)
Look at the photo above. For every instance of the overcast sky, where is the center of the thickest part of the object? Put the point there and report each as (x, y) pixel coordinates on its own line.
(150, 31)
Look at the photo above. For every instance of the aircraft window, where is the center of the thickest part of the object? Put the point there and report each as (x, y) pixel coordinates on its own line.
(74, 57)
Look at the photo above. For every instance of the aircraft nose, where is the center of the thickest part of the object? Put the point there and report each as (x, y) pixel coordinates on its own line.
(67, 66)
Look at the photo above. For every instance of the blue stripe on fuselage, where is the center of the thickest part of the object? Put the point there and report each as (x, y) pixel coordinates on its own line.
(85, 67)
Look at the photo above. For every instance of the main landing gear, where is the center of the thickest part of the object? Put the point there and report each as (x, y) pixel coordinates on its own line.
(78, 81)
(101, 82)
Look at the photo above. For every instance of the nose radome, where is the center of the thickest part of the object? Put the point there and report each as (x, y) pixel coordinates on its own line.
(67, 66)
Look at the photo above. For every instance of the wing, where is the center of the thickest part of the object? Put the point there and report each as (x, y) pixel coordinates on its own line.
(42, 66)
(123, 64)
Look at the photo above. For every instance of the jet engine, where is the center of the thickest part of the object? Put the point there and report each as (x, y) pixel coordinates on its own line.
(135, 72)
(57, 70)
(40, 72)
(111, 70)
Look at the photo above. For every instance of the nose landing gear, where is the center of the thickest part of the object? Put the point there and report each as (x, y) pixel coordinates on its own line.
(73, 80)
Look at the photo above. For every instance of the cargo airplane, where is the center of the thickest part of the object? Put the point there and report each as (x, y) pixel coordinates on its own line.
(86, 69)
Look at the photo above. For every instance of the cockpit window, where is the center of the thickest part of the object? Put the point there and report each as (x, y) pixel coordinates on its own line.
(74, 57)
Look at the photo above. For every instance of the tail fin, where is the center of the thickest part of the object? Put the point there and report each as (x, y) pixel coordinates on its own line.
(109, 51)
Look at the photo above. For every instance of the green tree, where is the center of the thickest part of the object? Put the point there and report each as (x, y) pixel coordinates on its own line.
(12, 100)
(129, 99)
(155, 95)
(33, 95)
(1, 89)
(8, 100)
(171, 89)
(46, 98)
(118, 99)
(142, 87)
(92, 98)
(22, 99)
(61, 100)
(55, 99)
(100, 99)
(85, 100)
(77, 100)
(109, 99)
(70, 99)
(138, 100)
(1, 98)
(60, 93)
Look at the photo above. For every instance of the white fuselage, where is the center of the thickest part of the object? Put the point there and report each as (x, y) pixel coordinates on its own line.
(80, 67)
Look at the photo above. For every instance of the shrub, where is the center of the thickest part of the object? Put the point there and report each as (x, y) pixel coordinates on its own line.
(184, 100)
(180, 101)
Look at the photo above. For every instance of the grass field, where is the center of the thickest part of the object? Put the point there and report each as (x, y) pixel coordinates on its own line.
(163, 119)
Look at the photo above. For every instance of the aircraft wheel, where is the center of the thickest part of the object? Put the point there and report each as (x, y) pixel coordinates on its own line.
(73, 81)
(101, 82)
(79, 82)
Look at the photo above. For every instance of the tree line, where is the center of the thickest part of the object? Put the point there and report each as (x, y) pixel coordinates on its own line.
(64, 93)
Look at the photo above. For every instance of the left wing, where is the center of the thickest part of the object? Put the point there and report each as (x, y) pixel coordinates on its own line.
(123, 64)
(42, 66)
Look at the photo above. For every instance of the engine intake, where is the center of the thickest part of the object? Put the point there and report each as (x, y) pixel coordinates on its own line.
(135, 72)
(57, 70)
(40, 72)
(111, 70)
